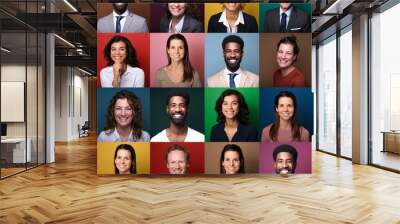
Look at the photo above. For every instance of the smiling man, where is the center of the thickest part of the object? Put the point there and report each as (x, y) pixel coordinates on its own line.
(233, 75)
(177, 108)
(285, 158)
(177, 159)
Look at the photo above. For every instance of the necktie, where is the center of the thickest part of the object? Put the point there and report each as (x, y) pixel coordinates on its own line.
(232, 80)
(283, 22)
(118, 27)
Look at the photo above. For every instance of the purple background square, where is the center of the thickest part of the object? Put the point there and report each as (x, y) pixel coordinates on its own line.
(303, 156)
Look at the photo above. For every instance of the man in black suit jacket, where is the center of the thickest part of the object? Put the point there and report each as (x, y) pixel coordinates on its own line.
(297, 20)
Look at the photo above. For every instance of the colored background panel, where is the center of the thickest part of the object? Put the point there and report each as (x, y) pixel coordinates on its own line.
(268, 49)
(305, 106)
(140, 42)
(303, 156)
(104, 96)
(214, 60)
(264, 7)
(160, 119)
(211, 95)
(105, 157)
(214, 8)
(157, 158)
(159, 56)
(158, 11)
(103, 9)
(213, 151)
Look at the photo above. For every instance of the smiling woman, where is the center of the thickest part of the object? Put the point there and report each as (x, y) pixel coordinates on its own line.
(233, 117)
(178, 20)
(285, 128)
(232, 160)
(286, 55)
(124, 120)
(125, 159)
(122, 66)
(179, 72)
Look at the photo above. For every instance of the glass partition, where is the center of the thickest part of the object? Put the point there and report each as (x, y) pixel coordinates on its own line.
(385, 89)
(327, 95)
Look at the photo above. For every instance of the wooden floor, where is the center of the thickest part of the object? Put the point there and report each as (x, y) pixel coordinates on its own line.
(69, 191)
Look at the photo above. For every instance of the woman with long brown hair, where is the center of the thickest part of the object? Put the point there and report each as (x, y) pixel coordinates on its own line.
(179, 72)
(285, 128)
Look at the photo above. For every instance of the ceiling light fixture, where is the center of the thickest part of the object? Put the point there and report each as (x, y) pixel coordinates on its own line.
(337, 7)
(70, 5)
(5, 50)
(64, 40)
(84, 71)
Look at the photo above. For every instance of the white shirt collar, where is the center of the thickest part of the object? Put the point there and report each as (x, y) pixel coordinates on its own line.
(125, 14)
(237, 77)
(288, 12)
(223, 20)
(178, 26)
(122, 21)
(116, 136)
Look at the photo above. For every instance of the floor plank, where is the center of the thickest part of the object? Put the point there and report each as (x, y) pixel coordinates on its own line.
(69, 191)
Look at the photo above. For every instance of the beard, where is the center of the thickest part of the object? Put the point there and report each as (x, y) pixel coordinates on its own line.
(233, 66)
(120, 8)
(178, 121)
(279, 170)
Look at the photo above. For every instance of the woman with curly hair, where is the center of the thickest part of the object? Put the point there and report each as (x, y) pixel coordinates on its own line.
(124, 120)
(232, 118)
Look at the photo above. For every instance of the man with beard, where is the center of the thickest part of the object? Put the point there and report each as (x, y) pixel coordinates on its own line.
(121, 20)
(285, 159)
(177, 108)
(233, 75)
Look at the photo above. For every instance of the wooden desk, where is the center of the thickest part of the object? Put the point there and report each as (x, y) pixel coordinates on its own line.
(391, 141)
(17, 147)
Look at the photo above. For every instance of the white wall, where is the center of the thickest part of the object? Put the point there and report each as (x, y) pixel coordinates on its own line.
(71, 92)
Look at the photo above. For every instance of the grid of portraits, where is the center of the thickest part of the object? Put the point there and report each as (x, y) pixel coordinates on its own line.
(204, 88)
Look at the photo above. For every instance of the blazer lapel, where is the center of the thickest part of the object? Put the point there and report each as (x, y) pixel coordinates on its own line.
(186, 25)
(222, 79)
(243, 79)
(128, 22)
(292, 19)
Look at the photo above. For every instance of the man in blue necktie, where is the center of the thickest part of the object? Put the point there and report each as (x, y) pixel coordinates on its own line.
(121, 20)
(287, 18)
(233, 75)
